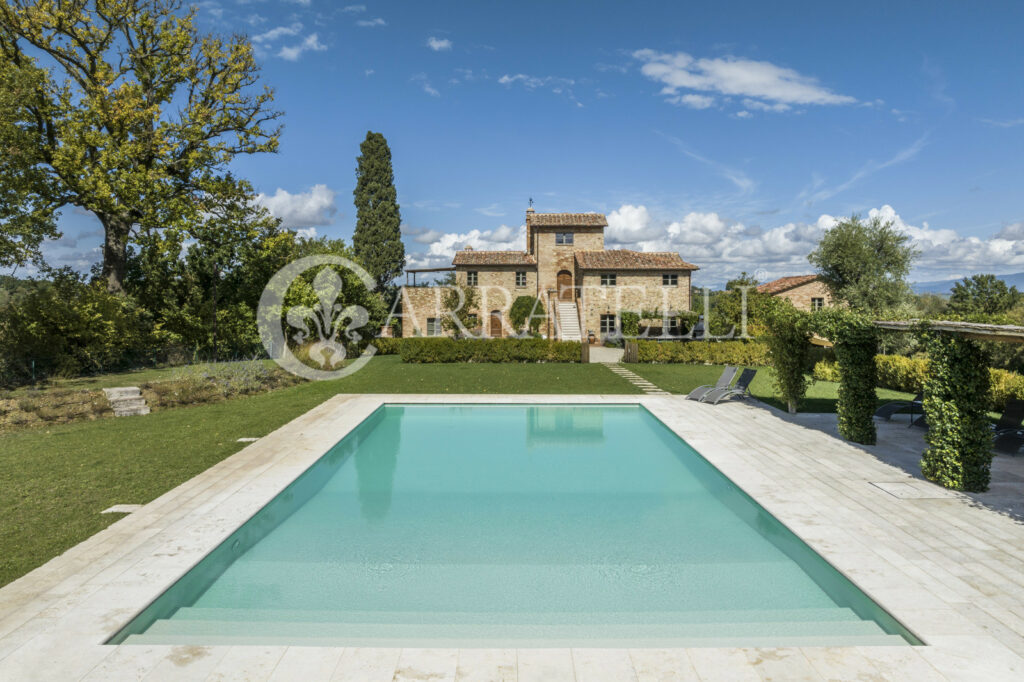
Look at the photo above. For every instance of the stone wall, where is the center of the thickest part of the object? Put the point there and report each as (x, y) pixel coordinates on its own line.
(497, 288)
(801, 296)
(419, 303)
(552, 258)
(633, 292)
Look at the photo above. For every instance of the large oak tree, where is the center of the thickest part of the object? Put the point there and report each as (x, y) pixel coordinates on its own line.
(125, 110)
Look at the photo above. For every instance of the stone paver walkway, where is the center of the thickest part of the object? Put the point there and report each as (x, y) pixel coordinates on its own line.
(635, 379)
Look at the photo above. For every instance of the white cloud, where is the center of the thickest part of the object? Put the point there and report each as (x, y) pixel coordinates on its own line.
(255, 19)
(307, 232)
(441, 247)
(353, 9)
(370, 23)
(439, 44)
(693, 101)
(493, 210)
(734, 175)
(424, 82)
(764, 106)
(944, 253)
(724, 247)
(304, 3)
(310, 44)
(743, 114)
(869, 168)
(302, 210)
(774, 88)
(1003, 123)
(557, 85)
(278, 32)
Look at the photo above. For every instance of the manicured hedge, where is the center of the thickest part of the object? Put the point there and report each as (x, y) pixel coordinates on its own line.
(444, 349)
(908, 375)
(749, 353)
(387, 346)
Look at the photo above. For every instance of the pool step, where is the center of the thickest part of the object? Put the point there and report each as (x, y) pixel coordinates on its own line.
(833, 614)
(535, 638)
(427, 587)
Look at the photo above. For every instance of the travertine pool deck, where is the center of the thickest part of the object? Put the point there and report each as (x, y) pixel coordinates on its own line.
(949, 566)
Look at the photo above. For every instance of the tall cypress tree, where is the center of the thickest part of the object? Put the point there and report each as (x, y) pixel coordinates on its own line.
(377, 239)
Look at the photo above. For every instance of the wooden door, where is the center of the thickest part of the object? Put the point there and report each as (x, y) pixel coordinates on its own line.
(495, 324)
(564, 280)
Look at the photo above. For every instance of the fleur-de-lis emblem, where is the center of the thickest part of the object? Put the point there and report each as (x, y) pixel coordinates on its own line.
(327, 319)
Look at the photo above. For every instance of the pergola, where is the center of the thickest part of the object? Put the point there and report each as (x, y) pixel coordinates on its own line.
(956, 393)
(414, 271)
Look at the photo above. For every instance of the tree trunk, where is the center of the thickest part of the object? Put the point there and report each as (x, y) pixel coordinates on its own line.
(791, 405)
(116, 229)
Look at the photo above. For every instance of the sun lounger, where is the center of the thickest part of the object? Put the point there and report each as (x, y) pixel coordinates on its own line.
(728, 374)
(889, 409)
(1008, 442)
(740, 390)
(1012, 417)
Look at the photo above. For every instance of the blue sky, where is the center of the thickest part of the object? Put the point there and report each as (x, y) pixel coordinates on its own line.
(731, 132)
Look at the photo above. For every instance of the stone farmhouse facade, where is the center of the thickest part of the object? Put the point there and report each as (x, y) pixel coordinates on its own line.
(583, 286)
(805, 292)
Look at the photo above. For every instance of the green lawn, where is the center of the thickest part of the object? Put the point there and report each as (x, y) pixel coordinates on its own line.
(55, 480)
(822, 396)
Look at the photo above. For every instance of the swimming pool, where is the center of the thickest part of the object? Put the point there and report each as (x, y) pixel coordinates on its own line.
(513, 526)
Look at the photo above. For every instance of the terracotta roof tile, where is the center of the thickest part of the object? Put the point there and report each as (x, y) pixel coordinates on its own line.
(784, 283)
(470, 257)
(568, 219)
(622, 259)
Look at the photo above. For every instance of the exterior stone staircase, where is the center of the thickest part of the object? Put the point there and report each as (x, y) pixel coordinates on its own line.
(568, 322)
(126, 401)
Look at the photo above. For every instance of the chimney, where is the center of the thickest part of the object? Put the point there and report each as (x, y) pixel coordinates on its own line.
(529, 229)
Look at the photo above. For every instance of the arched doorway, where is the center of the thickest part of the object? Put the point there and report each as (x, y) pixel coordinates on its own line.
(565, 289)
(495, 324)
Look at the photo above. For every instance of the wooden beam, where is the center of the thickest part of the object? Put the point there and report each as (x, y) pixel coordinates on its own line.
(1005, 333)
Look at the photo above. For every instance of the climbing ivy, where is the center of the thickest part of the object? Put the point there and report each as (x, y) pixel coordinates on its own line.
(959, 453)
(788, 342)
(856, 343)
(630, 322)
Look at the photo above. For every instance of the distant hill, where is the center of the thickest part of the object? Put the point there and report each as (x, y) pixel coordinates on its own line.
(945, 286)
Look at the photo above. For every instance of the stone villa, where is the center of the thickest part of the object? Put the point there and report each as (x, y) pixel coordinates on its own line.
(583, 286)
(805, 292)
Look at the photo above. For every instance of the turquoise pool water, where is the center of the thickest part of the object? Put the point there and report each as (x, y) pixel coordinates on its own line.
(513, 525)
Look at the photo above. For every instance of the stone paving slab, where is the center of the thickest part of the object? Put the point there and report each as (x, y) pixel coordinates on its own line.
(950, 566)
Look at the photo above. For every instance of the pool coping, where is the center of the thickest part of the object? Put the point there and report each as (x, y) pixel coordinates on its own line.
(951, 572)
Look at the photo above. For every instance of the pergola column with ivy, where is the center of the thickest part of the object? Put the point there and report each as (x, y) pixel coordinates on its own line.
(856, 343)
(956, 397)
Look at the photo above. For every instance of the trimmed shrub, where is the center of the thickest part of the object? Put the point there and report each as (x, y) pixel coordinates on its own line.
(444, 349)
(909, 374)
(959, 453)
(387, 346)
(826, 371)
(747, 353)
(901, 373)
